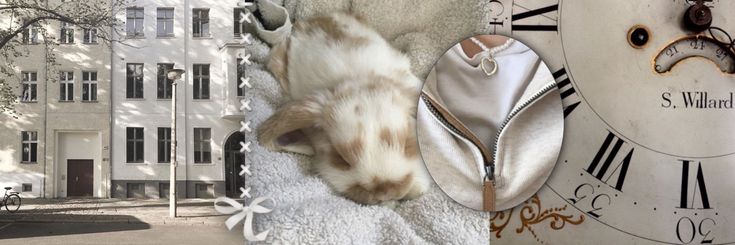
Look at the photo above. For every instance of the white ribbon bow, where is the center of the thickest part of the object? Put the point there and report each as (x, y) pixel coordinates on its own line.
(245, 212)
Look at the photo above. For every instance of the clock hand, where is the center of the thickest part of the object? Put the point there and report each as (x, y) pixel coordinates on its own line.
(728, 43)
(698, 17)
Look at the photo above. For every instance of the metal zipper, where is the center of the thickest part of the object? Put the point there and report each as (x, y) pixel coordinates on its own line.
(443, 120)
(489, 165)
(452, 128)
(490, 169)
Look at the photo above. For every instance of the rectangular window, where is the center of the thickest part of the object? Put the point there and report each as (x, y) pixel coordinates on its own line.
(30, 33)
(27, 187)
(134, 23)
(164, 84)
(89, 86)
(29, 146)
(134, 147)
(90, 35)
(66, 86)
(136, 190)
(239, 27)
(204, 190)
(200, 22)
(67, 33)
(201, 81)
(164, 190)
(164, 144)
(165, 22)
(134, 86)
(240, 74)
(202, 147)
(29, 86)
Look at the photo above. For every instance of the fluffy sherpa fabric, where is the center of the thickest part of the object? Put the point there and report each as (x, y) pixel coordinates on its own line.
(307, 210)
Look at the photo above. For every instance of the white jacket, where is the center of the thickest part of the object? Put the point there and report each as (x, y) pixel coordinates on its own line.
(469, 122)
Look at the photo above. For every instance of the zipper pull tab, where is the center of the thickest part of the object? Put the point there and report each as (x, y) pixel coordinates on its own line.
(488, 195)
(488, 192)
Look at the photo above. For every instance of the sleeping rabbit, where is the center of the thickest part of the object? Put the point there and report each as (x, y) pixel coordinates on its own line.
(353, 99)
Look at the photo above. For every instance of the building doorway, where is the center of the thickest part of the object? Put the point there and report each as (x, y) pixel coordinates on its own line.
(80, 177)
(233, 159)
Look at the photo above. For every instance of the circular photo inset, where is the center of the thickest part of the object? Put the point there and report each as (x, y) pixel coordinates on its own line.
(490, 122)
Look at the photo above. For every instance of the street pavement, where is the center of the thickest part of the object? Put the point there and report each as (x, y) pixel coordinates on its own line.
(115, 233)
(151, 211)
(115, 221)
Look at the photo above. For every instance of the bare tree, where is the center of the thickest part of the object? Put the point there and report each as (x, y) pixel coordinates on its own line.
(25, 21)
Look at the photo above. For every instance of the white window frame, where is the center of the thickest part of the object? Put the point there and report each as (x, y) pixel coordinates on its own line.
(66, 84)
(199, 22)
(135, 142)
(166, 22)
(239, 28)
(240, 72)
(87, 88)
(135, 22)
(199, 78)
(67, 33)
(90, 36)
(162, 81)
(202, 145)
(164, 142)
(29, 86)
(30, 141)
(138, 81)
(30, 33)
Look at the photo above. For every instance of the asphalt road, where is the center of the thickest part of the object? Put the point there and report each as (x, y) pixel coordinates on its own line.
(116, 233)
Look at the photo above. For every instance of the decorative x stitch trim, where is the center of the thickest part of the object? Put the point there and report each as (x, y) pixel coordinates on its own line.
(240, 211)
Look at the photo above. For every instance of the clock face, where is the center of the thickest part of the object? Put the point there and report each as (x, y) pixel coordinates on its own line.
(649, 144)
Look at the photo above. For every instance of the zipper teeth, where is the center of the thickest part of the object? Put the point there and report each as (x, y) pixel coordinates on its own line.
(489, 165)
(441, 118)
(490, 169)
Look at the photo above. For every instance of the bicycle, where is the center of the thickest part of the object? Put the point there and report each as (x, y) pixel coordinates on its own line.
(12, 201)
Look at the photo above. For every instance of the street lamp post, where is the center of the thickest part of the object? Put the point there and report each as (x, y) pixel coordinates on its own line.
(174, 75)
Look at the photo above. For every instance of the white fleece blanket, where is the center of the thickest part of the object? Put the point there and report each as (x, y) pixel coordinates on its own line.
(307, 210)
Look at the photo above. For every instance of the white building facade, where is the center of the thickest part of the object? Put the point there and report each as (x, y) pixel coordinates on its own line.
(200, 37)
(98, 123)
(59, 144)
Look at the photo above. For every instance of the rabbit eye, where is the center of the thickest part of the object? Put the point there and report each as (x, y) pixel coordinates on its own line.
(350, 150)
(338, 162)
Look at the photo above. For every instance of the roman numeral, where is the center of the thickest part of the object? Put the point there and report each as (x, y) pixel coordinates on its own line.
(698, 185)
(532, 13)
(603, 169)
(566, 88)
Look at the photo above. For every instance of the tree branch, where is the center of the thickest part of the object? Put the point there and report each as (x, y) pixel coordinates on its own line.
(4, 40)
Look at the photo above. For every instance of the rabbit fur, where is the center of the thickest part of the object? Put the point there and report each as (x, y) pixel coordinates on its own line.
(353, 100)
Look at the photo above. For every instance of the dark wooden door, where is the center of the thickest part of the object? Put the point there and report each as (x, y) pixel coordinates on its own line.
(80, 178)
(233, 159)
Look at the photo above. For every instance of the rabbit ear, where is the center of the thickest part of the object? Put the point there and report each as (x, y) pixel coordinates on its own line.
(282, 131)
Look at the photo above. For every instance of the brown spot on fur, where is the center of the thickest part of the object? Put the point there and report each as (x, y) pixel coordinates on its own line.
(404, 138)
(351, 150)
(379, 191)
(386, 137)
(411, 149)
(407, 136)
(358, 109)
(325, 24)
(332, 29)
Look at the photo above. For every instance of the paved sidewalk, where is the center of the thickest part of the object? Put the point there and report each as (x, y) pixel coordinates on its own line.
(189, 211)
